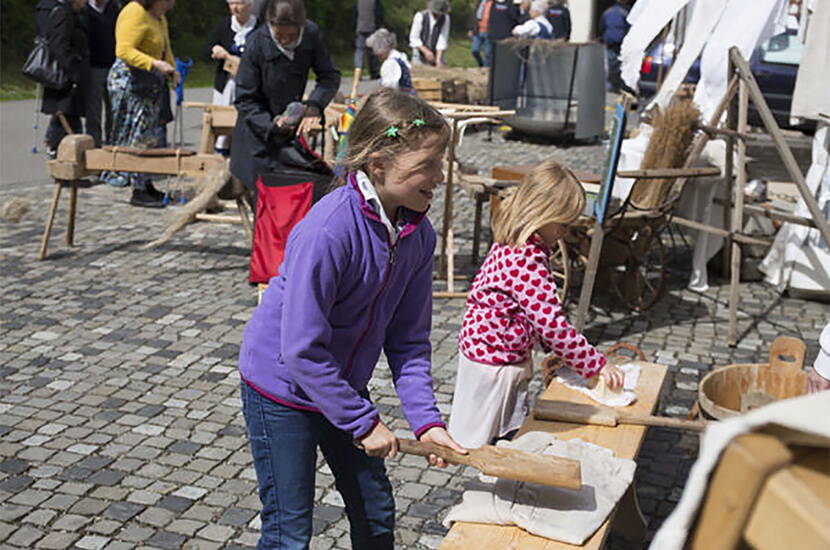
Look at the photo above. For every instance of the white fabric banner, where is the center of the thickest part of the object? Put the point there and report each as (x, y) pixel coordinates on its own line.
(647, 18)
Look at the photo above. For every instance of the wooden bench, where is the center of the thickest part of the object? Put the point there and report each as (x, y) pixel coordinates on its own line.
(624, 440)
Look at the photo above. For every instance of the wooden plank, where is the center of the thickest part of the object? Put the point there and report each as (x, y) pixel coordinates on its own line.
(99, 159)
(793, 509)
(591, 268)
(740, 237)
(224, 120)
(743, 469)
(624, 440)
(772, 214)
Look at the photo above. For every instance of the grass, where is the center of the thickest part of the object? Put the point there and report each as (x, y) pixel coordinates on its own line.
(14, 86)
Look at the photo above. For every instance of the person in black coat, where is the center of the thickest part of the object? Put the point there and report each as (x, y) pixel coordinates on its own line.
(560, 19)
(100, 17)
(272, 74)
(228, 41)
(504, 15)
(61, 23)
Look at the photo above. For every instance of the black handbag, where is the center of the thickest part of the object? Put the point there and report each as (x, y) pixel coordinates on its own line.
(43, 68)
(145, 83)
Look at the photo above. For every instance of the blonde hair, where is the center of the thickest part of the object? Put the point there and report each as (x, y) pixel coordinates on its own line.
(549, 193)
(388, 123)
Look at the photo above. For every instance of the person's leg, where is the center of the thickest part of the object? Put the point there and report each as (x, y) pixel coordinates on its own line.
(284, 449)
(476, 48)
(613, 68)
(359, 49)
(107, 137)
(95, 93)
(54, 134)
(365, 488)
(488, 51)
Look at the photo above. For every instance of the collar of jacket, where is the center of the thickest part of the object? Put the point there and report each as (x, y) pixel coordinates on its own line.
(273, 52)
(411, 217)
(539, 243)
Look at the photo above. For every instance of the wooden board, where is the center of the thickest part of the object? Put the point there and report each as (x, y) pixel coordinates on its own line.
(99, 159)
(624, 440)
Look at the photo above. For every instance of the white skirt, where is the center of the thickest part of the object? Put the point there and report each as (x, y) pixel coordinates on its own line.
(225, 97)
(489, 401)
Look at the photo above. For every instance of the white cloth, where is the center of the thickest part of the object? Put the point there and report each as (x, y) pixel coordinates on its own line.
(810, 96)
(799, 258)
(240, 32)
(647, 18)
(631, 372)
(417, 25)
(489, 401)
(225, 97)
(822, 363)
(390, 70)
(531, 28)
(807, 414)
(289, 49)
(370, 195)
(744, 25)
(558, 514)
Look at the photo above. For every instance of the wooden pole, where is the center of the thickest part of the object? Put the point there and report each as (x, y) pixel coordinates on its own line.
(738, 217)
(48, 229)
(70, 223)
(590, 275)
(783, 149)
(358, 71)
(446, 224)
(731, 124)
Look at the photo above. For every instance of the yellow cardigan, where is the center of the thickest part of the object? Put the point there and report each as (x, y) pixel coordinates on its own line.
(140, 38)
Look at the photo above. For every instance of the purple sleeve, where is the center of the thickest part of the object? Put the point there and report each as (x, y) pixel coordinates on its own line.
(311, 282)
(409, 350)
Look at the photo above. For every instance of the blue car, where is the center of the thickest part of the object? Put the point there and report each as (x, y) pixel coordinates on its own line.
(774, 65)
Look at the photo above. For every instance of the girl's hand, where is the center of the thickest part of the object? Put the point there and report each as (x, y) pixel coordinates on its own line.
(613, 377)
(163, 67)
(218, 52)
(380, 442)
(439, 436)
(816, 382)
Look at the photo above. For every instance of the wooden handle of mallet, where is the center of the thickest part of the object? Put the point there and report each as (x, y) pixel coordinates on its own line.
(580, 413)
(506, 463)
(358, 71)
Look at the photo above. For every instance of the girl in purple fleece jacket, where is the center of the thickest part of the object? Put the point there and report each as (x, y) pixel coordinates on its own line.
(356, 279)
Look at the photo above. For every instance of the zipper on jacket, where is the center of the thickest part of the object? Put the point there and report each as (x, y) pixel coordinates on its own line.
(393, 256)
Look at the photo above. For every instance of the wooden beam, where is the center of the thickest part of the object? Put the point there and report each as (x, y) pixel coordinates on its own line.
(772, 214)
(662, 173)
(740, 237)
(738, 216)
(98, 160)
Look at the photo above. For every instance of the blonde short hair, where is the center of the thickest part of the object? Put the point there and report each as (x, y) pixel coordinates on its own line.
(549, 193)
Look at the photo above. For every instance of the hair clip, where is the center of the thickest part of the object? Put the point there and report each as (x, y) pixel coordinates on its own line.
(418, 122)
(392, 131)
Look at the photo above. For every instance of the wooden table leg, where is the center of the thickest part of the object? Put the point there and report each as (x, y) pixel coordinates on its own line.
(477, 226)
(590, 275)
(70, 223)
(48, 229)
(629, 521)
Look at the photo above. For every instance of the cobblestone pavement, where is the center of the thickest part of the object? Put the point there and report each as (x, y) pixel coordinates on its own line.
(120, 420)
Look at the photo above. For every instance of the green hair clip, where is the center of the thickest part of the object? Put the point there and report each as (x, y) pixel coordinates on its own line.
(392, 131)
(418, 122)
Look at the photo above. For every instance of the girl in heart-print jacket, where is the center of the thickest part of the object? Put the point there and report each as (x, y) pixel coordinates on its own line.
(512, 305)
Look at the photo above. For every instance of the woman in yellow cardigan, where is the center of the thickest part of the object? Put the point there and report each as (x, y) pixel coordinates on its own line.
(144, 60)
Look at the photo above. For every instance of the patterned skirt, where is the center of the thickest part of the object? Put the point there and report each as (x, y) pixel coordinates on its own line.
(134, 121)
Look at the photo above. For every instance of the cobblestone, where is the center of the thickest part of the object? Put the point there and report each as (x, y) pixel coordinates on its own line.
(120, 422)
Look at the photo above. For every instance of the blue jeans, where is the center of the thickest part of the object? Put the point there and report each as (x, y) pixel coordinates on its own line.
(284, 447)
(481, 44)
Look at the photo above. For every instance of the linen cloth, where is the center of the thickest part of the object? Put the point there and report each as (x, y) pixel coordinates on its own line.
(550, 512)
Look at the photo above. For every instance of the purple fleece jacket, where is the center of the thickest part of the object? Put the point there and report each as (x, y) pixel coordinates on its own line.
(342, 295)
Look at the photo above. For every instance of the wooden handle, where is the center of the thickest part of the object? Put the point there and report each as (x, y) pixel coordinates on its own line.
(506, 463)
(580, 413)
(358, 71)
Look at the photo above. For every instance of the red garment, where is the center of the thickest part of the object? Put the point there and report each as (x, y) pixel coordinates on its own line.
(512, 304)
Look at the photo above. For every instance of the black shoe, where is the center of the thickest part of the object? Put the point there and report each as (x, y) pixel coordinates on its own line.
(145, 199)
(153, 192)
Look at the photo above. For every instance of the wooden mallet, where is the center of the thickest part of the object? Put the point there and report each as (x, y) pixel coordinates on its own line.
(506, 463)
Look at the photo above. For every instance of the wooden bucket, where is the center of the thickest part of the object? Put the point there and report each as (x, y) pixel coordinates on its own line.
(734, 389)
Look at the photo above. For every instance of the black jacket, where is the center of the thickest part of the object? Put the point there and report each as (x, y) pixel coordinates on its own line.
(560, 18)
(504, 15)
(68, 45)
(267, 81)
(223, 36)
(101, 33)
(42, 15)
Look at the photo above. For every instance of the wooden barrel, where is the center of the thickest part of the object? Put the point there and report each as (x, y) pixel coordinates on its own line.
(732, 390)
